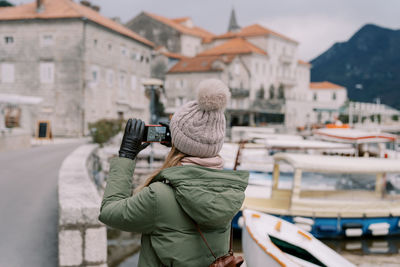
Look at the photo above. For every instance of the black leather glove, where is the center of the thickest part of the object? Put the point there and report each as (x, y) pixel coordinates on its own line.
(168, 142)
(132, 141)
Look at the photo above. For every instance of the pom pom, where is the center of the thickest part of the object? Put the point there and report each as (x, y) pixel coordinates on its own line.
(212, 94)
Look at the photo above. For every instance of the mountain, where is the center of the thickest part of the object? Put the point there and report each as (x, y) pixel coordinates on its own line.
(4, 3)
(368, 64)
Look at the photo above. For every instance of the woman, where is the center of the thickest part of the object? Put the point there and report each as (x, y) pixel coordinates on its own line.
(190, 188)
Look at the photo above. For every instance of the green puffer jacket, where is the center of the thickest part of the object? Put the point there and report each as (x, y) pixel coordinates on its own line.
(169, 238)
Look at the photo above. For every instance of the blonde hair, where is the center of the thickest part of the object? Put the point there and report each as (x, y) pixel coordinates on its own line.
(173, 158)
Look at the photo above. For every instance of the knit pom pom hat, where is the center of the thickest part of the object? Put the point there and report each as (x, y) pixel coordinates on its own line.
(198, 127)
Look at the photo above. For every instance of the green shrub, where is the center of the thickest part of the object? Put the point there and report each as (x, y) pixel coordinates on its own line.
(102, 130)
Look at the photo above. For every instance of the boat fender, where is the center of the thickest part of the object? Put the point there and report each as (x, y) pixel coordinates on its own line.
(240, 222)
(378, 226)
(380, 232)
(303, 220)
(353, 232)
(379, 229)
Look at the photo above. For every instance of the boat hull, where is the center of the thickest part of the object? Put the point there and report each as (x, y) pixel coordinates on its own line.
(338, 227)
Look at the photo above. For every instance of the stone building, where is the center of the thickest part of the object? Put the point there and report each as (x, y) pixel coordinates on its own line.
(84, 66)
(227, 63)
(177, 35)
(279, 89)
(278, 84)
(327, 99)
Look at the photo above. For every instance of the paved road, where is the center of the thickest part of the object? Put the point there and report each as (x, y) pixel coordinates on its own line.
(28, 205)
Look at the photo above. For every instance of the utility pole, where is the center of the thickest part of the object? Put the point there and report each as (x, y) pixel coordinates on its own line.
(350, 115)
(152, 87)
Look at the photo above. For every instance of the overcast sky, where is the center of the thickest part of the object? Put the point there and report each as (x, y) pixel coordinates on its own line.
(316, 24)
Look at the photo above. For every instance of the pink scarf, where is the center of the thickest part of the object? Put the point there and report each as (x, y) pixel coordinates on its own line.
(213, 163)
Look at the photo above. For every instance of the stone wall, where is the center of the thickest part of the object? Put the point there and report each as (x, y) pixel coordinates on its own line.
(82, 239)
(157, 32)
(15, 138)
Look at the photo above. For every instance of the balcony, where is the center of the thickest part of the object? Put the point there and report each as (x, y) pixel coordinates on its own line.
(287, 81)
(286, 59)
(269, 105)
(239, 92)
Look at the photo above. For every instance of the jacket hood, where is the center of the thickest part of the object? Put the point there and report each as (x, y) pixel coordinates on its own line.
(210, 197)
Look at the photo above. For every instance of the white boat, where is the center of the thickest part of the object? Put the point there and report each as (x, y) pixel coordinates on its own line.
(368, 143)
(332, 213)
(258, 154)
(270, 241)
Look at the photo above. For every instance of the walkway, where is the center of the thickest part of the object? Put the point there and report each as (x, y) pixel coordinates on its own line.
(28, 205)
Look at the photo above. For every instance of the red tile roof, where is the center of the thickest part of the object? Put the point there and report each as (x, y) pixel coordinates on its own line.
(325, 85)
(252, 30)
(57, 9)
(176, 24)
(163, 50)
(302, 62)
(200, 64)
(234, 47)
(173, 55)
(180, 20)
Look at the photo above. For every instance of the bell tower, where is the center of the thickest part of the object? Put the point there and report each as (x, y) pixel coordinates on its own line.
(233, 25)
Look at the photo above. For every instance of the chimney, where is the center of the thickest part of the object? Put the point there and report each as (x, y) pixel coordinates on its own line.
(96, 8)
(88, 4)
(85, 3)
(117, 20)
(39, 6)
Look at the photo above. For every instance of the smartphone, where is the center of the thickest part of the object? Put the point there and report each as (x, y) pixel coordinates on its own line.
(156, 133)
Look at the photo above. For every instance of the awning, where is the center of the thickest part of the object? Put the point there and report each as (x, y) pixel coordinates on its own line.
(19, 99)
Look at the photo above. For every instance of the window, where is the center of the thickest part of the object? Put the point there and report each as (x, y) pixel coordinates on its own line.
(110, 78)
(46, 40)
(95, 75)
(8, 40)
(122, 84)
(142, 88)
(271, 92)
(179, 101)
(7, 73)
(124, 51)
(315, 98)
(133, 55)
(122, 81)
(133, 82)
(109, 47)
(334, 96)
(46, 72)
(236, 69)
